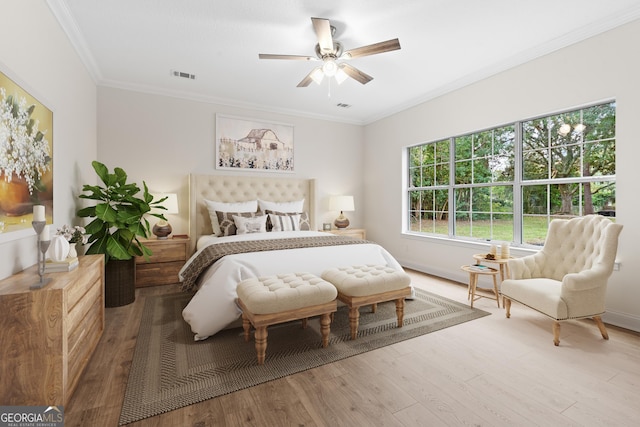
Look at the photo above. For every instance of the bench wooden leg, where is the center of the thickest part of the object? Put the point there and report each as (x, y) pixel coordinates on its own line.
(325, 328)
(374, 307)
(354, 320)
(304, 323)
(400, 311)
(261, 343)
(246, 325)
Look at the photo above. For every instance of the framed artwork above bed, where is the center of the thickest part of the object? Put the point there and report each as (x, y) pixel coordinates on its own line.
(253, 145)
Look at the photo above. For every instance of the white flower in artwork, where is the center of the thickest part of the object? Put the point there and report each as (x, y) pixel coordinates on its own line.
(24, 150)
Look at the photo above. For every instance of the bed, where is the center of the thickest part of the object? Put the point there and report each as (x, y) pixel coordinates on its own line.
(221, 262)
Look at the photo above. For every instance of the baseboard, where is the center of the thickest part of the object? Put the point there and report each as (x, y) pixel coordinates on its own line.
(622, 320)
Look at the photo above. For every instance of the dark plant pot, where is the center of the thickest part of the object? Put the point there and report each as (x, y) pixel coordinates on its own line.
(119, 282)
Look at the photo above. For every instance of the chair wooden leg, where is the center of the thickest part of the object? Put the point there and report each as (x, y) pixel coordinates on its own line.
(325, 328)
(556, 333)
(600, 325)
(246, 325)
(354, 320)
(261, 343)
(400, 311)
(507, 306)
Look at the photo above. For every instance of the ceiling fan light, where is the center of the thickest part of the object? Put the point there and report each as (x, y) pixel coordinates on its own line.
(317, 75)
(341, 76)
(330, 67)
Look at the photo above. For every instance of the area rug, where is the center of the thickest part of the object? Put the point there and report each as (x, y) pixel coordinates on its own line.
(170, 370)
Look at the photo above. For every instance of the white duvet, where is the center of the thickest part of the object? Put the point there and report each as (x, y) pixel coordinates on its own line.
(213, 306)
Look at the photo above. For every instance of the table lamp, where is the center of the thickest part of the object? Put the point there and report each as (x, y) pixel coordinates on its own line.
(341, 203)
(162, 229)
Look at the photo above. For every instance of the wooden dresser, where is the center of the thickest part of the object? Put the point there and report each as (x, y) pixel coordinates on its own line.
(48, 335)
(163, 266)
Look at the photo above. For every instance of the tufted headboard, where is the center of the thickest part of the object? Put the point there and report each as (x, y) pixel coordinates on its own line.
(236, 188)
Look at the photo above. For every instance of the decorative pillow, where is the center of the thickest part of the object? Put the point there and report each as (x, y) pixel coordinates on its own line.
(305, 225)
(289, 222)
(256, 224)
(228, 225)
(213, 207)
(295, 206)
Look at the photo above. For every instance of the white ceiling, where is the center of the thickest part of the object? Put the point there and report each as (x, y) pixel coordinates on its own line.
(446, 44)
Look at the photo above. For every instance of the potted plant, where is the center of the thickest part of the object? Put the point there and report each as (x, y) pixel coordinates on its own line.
(119, 223)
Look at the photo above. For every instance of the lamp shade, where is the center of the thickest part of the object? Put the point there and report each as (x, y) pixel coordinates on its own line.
(341, 203)
(171, 203)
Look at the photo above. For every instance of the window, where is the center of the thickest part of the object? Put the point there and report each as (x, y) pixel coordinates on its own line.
(509, 182)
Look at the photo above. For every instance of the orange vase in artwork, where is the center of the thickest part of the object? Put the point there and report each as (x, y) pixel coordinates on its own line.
(15, 199)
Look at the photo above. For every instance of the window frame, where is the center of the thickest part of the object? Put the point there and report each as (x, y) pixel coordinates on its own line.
(518, 184)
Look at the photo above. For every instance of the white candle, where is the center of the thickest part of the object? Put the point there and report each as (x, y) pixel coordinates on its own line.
(38, 213)
(45, 236)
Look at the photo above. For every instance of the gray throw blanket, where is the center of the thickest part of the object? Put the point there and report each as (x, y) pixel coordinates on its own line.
(213, 253)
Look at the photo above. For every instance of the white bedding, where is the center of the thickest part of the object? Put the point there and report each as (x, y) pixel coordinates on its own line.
(213, 306)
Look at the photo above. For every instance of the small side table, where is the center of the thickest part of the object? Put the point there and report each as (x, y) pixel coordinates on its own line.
(502, 264)
(473, 283)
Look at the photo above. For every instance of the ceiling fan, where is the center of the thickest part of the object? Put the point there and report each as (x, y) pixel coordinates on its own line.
(330, 52)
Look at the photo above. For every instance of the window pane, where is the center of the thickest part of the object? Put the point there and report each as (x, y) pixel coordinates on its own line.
(534, 229)
(600, 122)
(427, 176)
(442, 151)
(463, 199)
(463, 146)
(481, 171)
(481, 199)
(600, 158)
(502, 227)
(415, 155)
(463, 172)
(463, 224)
(482, 144)
(442, 174)
(534, 200)
(565, 161)
(502, 199)
(599, 197)
(535, 165)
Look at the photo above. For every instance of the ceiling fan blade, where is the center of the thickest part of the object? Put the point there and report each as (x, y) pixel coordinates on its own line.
(372, 49)
(295, 57)
(356, 74)
(307, 80)
(322, 28)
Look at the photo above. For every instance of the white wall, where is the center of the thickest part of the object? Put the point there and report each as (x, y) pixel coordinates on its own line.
(601, 68)
(36, 54)
(161, 140)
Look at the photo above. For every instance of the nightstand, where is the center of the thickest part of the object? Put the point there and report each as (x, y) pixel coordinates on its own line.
(359, 233)
(164, 264)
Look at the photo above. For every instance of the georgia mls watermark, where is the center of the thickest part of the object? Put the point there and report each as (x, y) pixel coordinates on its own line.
(31, 416)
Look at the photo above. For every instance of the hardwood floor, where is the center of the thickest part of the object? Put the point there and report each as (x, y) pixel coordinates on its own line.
(488, 372)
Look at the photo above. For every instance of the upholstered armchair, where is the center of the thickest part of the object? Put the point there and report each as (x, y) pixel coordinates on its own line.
(567, 279)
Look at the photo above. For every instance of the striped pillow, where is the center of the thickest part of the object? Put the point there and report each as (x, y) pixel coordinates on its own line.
(289, 222)
(305, 224)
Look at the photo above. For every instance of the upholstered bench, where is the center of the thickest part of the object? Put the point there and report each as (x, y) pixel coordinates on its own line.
(369, 284)
(270, 300)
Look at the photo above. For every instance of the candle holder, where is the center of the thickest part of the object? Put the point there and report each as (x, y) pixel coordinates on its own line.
(41, 248)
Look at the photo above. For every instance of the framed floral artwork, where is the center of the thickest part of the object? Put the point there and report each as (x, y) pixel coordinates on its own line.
(26, 157)
(253, 145)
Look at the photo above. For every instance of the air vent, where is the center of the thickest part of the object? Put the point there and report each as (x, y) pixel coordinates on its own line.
(183, 75)
(343, 105)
